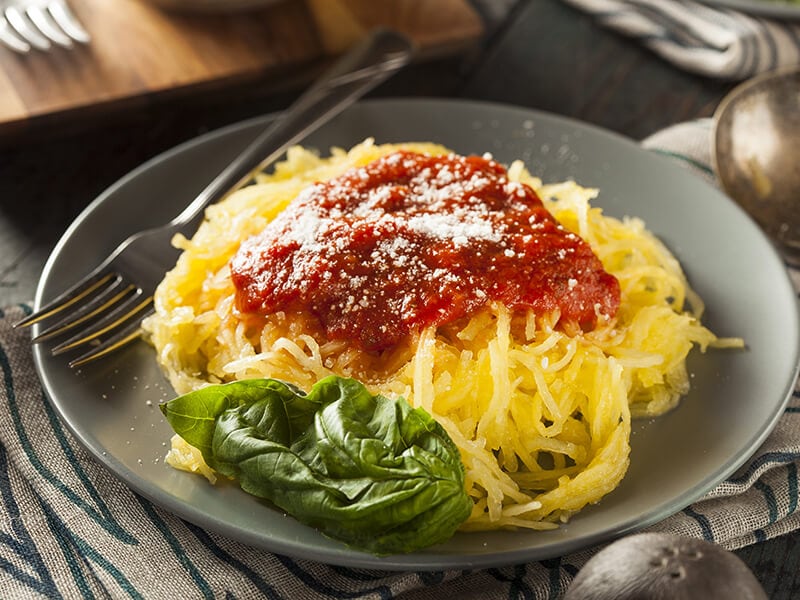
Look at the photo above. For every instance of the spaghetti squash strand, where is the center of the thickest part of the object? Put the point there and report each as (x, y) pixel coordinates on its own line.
(541, 415)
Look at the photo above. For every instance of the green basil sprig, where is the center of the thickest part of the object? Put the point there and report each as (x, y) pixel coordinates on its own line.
(372, 472)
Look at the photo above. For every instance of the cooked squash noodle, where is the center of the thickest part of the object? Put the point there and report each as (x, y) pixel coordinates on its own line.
(540, 413)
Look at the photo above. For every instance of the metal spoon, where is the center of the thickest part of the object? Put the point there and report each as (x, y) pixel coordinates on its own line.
(757, 154)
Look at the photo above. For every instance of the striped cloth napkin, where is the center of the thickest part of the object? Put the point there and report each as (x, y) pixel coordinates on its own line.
(709, 41)
(72, 530)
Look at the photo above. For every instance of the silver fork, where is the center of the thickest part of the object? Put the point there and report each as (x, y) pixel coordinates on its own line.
(107, 306)
(27, 24)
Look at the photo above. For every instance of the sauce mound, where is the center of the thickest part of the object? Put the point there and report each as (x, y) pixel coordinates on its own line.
(409, 241)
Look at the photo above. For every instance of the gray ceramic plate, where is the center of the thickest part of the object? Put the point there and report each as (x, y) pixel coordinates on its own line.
(111, 406)
(767, 8)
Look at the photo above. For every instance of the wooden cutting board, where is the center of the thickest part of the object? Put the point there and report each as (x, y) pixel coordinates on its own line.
(139, 52)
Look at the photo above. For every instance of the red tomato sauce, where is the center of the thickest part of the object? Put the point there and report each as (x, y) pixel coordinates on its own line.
(411, 241)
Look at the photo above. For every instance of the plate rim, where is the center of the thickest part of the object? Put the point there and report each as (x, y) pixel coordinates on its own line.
(416, 561)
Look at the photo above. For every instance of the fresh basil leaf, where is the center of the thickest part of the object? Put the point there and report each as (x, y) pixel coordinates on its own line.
(370, 471)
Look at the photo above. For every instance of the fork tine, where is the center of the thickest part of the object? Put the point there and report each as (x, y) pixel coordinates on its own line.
(47, 26)
(100, 304)
(76, 293)
(17, 19)
(114, 319)
(126, 335)
(63, 16)
(11, 39)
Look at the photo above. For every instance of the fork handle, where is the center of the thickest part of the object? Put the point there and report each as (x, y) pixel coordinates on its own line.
(360, 70)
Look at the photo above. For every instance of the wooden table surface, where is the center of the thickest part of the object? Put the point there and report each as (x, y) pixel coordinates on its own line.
(544, 56)
(140, 52)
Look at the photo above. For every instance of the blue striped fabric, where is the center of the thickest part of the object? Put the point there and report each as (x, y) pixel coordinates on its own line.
(714, 42)
(72, 530)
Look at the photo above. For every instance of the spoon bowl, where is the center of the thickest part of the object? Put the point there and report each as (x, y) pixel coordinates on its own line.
(757, 154)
